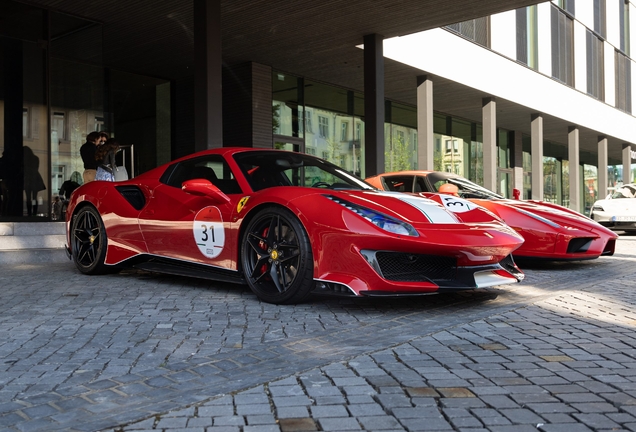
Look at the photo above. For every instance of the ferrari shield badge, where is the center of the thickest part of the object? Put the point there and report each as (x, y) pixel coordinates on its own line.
(209, 234)
(241, 203)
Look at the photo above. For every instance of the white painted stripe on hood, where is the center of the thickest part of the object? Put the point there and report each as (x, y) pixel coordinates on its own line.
(433, 211)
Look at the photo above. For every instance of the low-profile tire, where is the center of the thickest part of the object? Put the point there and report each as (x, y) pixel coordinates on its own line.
(276, 257)
(89, 241)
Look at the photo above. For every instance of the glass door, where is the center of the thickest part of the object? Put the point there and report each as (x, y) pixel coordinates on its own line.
(504, 183)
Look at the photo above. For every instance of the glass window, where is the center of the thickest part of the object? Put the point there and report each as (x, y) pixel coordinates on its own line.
(594, 59)
(562, 47)
(565, 189)
(400, 152)
(287, 104)
(624, 26)
(551, 183)
(344, 131)
(567, 5)
(527, 166)
(458, 147)
(590, 181)
(270, 169)
(476, 30)
(323, 126)
(623, 82)
(503, 148)
(58, 127)
(26, 123)
(599, 18)
(24, 119)
(212, 168)
(400, 138)
(527, 36)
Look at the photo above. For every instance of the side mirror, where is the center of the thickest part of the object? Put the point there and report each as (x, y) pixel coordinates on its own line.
(202, 187)
(449, 189)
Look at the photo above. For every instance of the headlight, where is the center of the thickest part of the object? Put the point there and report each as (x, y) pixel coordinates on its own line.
(597, 207)
(381, 220)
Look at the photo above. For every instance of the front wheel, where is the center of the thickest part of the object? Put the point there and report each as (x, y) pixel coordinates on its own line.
(276, 257)
(89, 241)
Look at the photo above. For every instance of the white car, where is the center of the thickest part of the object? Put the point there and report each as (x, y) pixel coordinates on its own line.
(618, 210)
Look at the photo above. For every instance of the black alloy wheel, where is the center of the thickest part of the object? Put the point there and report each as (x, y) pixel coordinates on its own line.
(89, 241)
(276, 257)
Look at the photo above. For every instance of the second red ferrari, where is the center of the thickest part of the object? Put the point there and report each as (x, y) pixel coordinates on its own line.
(550, 231)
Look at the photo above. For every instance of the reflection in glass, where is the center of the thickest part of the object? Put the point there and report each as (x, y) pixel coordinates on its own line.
(24, 142)
(590, 190)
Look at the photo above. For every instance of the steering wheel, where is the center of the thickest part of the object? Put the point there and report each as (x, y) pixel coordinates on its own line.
(321, 184)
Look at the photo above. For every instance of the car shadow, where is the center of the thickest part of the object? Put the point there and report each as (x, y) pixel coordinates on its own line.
(545, 264)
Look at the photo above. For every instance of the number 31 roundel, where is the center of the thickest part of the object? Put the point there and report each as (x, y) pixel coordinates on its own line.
(208, 231)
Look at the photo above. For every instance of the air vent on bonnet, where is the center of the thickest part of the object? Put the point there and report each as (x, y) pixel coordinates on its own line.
(133, 195)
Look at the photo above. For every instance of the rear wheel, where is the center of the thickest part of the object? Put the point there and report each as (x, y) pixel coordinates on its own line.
(276, 257)
(89, 241)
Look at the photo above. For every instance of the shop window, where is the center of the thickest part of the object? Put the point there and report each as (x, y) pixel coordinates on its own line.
(399, 153)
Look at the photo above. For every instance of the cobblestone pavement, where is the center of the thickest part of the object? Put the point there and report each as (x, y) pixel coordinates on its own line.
(138, 351)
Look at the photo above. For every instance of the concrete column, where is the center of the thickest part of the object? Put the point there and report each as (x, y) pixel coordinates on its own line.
(208, 105)
(517, 162)
(489, 121)
(627, 164)
(536, 142)
(425, 136)
(575, 173)
(602, 167)
(373, 105)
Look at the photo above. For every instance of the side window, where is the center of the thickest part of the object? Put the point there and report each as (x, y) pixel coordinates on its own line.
(212, 168)
(315, 175)
(439, 183)
(399, 183)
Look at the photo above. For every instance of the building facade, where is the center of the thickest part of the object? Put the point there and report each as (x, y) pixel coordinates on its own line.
(537, 98)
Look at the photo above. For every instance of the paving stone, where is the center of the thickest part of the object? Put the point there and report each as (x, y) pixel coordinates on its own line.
(339, 424)
(537, 350)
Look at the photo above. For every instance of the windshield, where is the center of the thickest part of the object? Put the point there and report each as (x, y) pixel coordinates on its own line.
(264, 169)
(467, 189)
(626, 191)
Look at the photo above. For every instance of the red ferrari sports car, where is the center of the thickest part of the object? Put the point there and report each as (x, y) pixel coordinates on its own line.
(287, 224)
(550, 231)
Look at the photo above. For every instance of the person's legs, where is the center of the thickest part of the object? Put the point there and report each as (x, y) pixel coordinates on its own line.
(31, 204)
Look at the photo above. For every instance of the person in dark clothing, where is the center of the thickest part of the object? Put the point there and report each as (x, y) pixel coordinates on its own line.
(70, 185)
(105, 156)
(33, 181)
(87, 151)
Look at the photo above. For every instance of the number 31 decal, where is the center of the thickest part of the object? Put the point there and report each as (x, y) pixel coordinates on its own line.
(457, 205)
(208, 231)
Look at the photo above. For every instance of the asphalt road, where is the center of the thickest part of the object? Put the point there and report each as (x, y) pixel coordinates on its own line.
(142, 351)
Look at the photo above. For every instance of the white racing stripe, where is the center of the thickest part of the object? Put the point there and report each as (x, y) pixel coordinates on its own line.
(433, 211)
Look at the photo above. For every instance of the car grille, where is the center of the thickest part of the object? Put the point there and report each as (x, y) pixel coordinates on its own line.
(405, 267)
